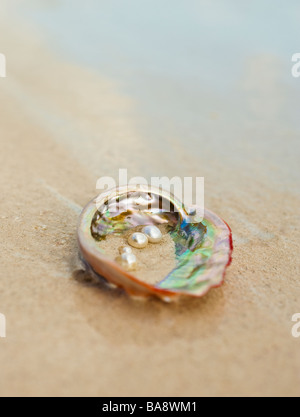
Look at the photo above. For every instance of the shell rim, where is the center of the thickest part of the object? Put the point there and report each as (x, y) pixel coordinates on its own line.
(87, 242)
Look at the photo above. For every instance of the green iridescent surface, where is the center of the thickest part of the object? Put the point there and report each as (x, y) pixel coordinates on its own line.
(203, 249)
(193, 253)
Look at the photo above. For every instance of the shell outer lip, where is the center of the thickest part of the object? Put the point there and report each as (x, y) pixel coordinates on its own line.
(111, 270)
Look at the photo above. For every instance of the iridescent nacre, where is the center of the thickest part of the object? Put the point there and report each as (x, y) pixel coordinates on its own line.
(203, 249)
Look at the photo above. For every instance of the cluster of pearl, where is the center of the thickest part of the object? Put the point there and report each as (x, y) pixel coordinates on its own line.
(138, 240)
(127, 259)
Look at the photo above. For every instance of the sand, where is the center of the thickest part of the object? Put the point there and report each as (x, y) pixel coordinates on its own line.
(63, 126)
(154, 262)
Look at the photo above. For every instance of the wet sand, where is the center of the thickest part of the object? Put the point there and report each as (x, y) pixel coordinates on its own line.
(63, 126)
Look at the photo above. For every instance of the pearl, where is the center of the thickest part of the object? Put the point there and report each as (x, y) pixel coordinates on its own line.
(153, 233)
(191, 211)
(127, 261)
(125, 249)
(138, 240)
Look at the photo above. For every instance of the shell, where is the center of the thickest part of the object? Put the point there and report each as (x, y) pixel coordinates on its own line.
(203, 249)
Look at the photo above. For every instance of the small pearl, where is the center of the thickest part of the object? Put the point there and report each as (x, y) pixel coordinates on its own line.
(153, 233)
(125, 249)
(191, 211)
(127, 260)
(138, 240)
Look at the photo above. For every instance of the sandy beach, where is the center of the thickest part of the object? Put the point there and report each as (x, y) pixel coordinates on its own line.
(62, 126)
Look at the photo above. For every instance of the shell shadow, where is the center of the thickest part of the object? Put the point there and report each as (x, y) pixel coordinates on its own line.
(121, 319)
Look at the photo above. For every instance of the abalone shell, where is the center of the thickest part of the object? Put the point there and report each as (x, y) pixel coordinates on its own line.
(202, 248)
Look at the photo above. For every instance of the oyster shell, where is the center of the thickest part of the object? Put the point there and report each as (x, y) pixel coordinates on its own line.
(203, 249)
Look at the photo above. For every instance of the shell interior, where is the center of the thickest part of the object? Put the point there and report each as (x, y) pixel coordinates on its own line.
(203, 249)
